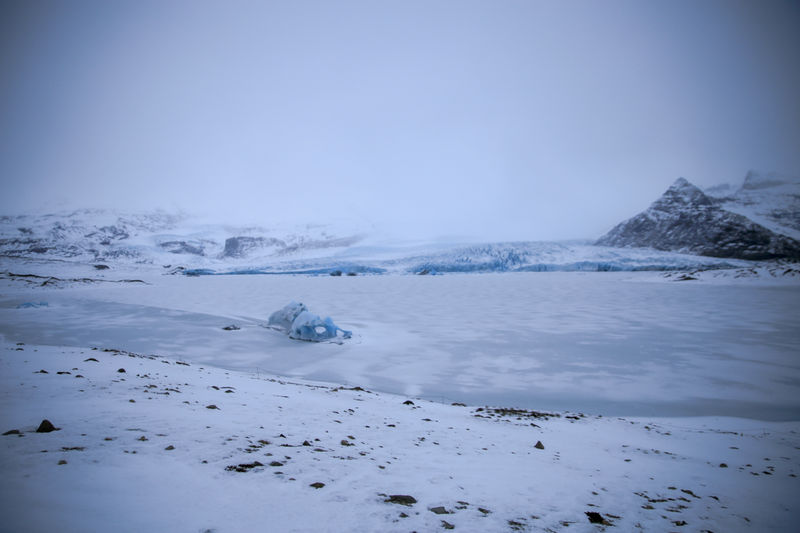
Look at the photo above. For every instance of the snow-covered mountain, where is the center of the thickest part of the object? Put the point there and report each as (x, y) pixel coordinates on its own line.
(156, 238)
(754, 223)
(771, 200)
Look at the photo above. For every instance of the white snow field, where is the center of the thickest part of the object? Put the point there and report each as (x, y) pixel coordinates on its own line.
(674, 404)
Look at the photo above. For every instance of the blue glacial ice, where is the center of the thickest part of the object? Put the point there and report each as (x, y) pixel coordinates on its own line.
(299, 323)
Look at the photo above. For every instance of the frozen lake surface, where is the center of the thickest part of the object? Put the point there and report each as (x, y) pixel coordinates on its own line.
(603, 343)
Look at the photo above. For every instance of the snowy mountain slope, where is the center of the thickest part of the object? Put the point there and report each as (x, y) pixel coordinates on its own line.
(687, 220)
(771, 200)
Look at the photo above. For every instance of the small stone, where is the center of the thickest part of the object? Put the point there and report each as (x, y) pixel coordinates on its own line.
(132, 401)
(306, 443)
(212, 406)
(232, 327)
(12, 432)
(439, 510)
(276, 463)
(170, 447)
(62, 462)
(345, 442)
(142, 438)
(244, 467)
(408, 402)
(596, 518)
(42, 371)
(723, 465)
(91, 359)
(539, 445)
(121, 370)
(45, 427)
(317, 485)
(447, 525)
(401, 499)
(484, 511)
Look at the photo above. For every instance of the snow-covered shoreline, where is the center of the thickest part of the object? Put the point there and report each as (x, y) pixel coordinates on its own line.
(145, 449)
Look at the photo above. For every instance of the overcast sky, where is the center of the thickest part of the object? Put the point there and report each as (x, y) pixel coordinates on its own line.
(494, 119)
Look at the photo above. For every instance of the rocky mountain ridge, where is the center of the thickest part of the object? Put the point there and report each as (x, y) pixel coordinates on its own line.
(685, 219)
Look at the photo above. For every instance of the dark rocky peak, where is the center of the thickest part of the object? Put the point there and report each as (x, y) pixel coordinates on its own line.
(685, 219)
(681, 194)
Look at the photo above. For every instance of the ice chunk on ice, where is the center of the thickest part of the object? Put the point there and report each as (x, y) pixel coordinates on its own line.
(310, 327)
(283, 318)
(301, 324)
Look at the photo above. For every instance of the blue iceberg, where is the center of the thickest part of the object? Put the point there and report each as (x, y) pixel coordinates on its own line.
(299, 323)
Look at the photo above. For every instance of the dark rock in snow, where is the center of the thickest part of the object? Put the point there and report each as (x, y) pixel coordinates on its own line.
(596, 518)
(401, 499)
(101, 267)
(241, 246)
(46, 427)
(447, 525)
(244, 467)
(212, 406)
(12, 432)
(317, 485)
(439, 510)
(539, 445)
(232, 327)
(182, 247)
(121, 370)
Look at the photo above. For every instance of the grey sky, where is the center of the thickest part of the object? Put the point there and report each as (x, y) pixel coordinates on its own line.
(497, 119)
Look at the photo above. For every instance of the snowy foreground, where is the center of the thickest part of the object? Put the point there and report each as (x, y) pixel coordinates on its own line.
(151, 443)
(172, 420)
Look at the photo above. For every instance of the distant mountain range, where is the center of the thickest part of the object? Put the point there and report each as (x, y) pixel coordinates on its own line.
(179, 244)
(760, 220)
(684, 229)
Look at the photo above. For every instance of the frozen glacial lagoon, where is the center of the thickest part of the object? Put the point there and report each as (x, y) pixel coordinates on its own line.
(625, 344)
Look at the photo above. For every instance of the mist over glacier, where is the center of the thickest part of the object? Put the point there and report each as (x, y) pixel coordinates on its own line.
(520, 121)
